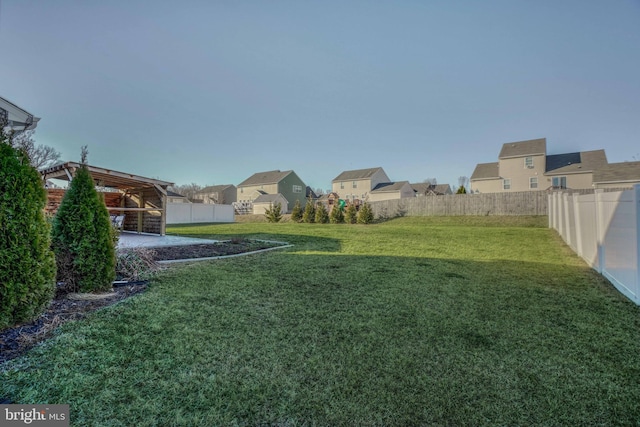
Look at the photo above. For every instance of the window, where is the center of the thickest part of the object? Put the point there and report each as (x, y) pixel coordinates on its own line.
(506, 184)
(297, 189)
(342, 185)
(559, 182)
(355, 184)
(241, 190)
(528, 162)
(533, 182)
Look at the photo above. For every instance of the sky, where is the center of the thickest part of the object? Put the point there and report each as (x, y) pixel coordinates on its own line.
(211, 92)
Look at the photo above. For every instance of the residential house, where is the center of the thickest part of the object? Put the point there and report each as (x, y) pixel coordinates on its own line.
(217, 194)
(15, 117)
(391, 191)
(286, 183)
(617, 175)
(525, 166)
(173, 197)
(357, 184)
(267, 201)
(426, 189)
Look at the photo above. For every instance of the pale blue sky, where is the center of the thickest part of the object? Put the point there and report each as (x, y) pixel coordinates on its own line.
(213, 91)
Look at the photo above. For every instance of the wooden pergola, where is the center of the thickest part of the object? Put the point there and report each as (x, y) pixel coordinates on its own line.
(141, 200)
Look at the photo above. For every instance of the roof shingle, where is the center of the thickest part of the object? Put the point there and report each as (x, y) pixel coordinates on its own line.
(531, 147)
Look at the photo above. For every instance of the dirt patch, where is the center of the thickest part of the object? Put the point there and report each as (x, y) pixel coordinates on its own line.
(65, 306)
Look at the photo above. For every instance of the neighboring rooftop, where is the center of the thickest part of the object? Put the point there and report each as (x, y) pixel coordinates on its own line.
(214, 189)
(269, 177)
(389, 186)
(486, 171)
(584, 161)
(617, 173)
(531, 147)
(356, 174)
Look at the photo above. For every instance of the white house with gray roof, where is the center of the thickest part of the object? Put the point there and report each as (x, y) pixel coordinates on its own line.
(525, 166)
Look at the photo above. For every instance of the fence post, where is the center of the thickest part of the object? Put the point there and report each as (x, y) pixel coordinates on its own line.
(600, 230)
(636, 202)
(577, 224)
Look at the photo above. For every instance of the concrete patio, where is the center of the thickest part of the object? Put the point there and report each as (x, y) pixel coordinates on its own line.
(141, 240)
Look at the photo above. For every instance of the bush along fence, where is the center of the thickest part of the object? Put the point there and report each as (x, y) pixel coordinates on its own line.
(516, 203)
(604, 229)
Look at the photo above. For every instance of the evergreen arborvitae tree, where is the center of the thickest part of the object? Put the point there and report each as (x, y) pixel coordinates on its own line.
(365, 215)
(296, 213)
(461, 190)
(274, 212)
(309, 212)
(27, 265)
(83, 237)
(336, 216)
(351, 215)
(322, 216)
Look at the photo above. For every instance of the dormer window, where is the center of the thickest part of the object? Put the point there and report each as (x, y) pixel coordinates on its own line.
(528, 162)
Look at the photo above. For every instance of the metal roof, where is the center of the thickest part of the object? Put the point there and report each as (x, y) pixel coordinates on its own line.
(103, 177)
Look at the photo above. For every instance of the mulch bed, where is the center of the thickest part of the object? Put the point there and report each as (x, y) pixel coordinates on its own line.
(17, 340)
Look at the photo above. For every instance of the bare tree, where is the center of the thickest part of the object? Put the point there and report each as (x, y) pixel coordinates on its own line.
(41, 156)
(430, 181)
(187, 190)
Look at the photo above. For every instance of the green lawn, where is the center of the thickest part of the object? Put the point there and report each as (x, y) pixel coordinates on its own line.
(416, 321)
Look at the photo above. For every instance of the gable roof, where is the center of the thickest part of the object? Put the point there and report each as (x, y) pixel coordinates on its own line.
(530, 147)
(385, 187)
(585, 161)
(357, 174)
(214, 189)
(486, 171)
(174, 194)
(269, 177)
(426, 188)
(617, 172)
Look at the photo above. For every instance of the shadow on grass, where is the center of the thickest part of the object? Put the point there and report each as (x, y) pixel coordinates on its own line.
(304, 338)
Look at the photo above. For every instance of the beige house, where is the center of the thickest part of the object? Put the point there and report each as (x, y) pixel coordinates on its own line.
(173, 197)
(525, 166)
(266, 201)
(426, 189)
(617, 175)
(286, 183)
(217, 194)
(391, 191)
(357, 184)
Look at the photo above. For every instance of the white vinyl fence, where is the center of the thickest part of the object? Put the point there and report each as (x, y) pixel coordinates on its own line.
(188, 213)
(604, 229)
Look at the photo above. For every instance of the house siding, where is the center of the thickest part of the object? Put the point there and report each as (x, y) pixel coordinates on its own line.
(515, 169)
(363, 186)
(285, 187)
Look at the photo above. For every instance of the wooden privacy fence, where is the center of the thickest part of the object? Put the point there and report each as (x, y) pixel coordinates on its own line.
(516, 203)
(604, 229)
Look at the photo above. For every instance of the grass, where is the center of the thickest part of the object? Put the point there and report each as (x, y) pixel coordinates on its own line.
(417, 321)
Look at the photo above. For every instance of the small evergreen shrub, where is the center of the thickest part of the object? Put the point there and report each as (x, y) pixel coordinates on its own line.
(83, 238)
(296, 213)
(351, 214)
(309, 214)
(365, 215)
(273, 213)
(27, 265)
(336, 216)
(322, 216)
